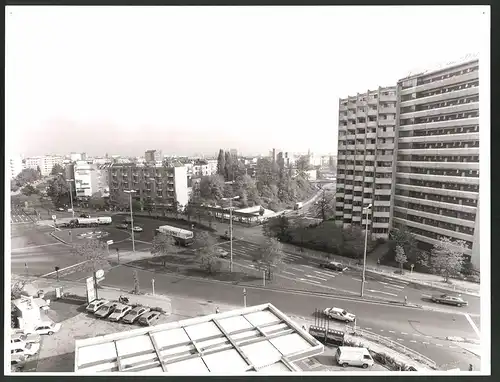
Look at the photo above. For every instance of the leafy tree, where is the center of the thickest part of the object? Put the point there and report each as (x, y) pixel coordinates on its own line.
(228, 170)
(137, 288)
(324, 208)
(93, 255)
(400, 257)
(39, 171)
(29, 190)
(121, 200)
(269, 256)
(97, 201)
(212, 188)
(163, 246)
(58, 191)
(13, 185)
(207, 255)
(277, 227)
(404, 238)
(137, 205)
(447, 257)
(57, 169)
(303, 164)
(221, 164)
(27, 175)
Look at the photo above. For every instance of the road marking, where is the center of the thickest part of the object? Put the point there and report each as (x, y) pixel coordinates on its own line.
(426, 295)
(324, 274)
(452, 347)
(296, 269)
(438, 344)
(316, 277)
(317, 264)
(425, 343)
(63, 269)
(35, 246)
(478, 333)
(378, 291)
(366, 282)
(308, 266)
(403, 333)
(413, 341)
(428, 337)
(400, 339)
(310, 281)
(392, 331)
(416, 334)
(289, 273)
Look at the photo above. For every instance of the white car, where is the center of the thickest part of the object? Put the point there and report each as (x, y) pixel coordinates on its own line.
(339, 314)
(26, 350)
(120, 311)
(137, 229)
(95, 305)
(19, 339)
(46, 328)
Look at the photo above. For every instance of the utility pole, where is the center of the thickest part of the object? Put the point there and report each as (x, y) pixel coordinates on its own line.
(153, 285)
(245, 297)
(363, 280)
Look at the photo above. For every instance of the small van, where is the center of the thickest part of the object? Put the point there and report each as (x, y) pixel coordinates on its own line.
(353, 356)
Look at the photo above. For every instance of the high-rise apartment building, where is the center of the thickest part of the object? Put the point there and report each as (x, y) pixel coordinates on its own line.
(45, 163)
(437, 171)
(413, 152)
(156, 184)
(15, 166)
(365, 159)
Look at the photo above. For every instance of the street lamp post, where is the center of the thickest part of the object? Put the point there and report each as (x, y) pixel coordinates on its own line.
(130, 192)
(363, 280)
(231, 228)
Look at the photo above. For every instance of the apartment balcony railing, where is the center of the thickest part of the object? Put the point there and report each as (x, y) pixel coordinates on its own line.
(439, 191)
(387, 110)
(382, 191)
(471, 91)
(440, 165)
(387, 122)
(361, 103)
(460, 108)
(441, 124)
(388, 98)
(469, 180)
(371, 135)
(464, 151)
(442, 138)
(383, 180)
(361, 114)
(445, 82)
(370, 124)
(382, 203)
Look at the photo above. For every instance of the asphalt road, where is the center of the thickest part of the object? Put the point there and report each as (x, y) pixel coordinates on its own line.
(420, 330)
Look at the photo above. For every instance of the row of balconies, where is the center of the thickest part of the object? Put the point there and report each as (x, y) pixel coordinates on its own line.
(441, 124)
(437, 204)
(439, 178)
(439, 191)
(442, 83)
(433, 216)
(441, 152)
(436, 230)
(440, 165)
(441, 138)
(474, 90)
(460, 108)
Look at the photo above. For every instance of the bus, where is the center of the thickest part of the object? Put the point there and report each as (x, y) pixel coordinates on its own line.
(181, 236)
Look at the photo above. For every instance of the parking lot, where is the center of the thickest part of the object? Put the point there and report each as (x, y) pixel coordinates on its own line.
(17, 216)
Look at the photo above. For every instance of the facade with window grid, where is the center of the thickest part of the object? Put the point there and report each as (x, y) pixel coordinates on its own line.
(437, 166)
(365, 159)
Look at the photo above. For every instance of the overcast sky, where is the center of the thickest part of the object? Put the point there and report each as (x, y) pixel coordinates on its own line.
(187, 80)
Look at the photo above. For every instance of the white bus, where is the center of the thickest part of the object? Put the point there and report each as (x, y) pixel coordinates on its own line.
(182, 236)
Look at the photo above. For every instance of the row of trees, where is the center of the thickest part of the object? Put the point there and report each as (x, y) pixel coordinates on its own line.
(24, 179)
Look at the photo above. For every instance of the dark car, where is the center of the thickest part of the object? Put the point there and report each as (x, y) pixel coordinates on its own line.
(225, 236)
(449, 299)
(122, 226)
(106, 309)
(135, 314)
(334, 266)
(85, 216)
(149, 319)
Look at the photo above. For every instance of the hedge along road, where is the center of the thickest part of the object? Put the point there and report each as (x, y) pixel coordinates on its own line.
(407, 324)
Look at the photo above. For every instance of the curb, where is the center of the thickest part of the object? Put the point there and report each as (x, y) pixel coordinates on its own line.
(59, 239)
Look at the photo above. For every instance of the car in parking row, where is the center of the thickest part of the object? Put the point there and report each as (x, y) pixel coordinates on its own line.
(116, 311)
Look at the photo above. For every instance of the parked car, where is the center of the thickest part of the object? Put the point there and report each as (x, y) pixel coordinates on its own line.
(85, 216)
(222, 253)
(95, 305)
(25, 349)
(339, 314)
(135, 314)
(136, 228)
(120, 311)
(225, 236)
(122, 226)
(149, 318)
(61, 209)
(105, 310)
(21, 338)
(353, 356)
(449, 299)
(334, 266)
(45, 327)
(17, 357)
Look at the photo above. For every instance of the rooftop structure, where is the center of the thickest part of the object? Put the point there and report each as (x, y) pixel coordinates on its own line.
(259, 338)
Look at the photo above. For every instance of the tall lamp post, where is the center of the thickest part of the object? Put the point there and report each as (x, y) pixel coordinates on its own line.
(363, 280)
(130, 192)
(231, 227)
(71, 195)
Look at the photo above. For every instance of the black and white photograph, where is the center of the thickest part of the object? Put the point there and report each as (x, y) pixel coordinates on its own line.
(217, 190)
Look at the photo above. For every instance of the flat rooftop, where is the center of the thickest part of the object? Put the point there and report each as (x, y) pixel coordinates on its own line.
(259, 338)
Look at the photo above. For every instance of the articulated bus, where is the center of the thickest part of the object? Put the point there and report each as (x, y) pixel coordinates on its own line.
(181, 236)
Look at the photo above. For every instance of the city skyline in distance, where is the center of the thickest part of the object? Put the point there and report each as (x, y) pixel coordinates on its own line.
(196, 80)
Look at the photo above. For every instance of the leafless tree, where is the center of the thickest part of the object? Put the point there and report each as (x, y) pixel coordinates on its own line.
(207, 255)
(269, 256)
(163, 245)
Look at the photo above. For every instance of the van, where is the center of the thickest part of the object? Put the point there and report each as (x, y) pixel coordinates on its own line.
(353, 356)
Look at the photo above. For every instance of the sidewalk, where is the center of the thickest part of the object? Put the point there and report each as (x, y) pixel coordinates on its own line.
(435, 281)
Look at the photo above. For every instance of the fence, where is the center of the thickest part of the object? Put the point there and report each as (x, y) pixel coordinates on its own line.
(396, 346)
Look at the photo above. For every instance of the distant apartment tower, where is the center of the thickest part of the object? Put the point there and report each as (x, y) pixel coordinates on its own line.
(78, 156)
(15, 166)
(437, 171)
(153, 156)
(45, 163)
(154, 184)
(85, 179)
(365, 159)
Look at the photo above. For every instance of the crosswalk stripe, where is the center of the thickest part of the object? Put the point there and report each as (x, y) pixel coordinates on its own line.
(324, 274)
(316, 277)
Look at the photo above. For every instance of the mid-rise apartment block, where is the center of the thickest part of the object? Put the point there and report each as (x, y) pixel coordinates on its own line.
(413, 152)
(15, 166)
(45, 163)
(155, 156)
(159, 185)
(365, 159)
(437, 169)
